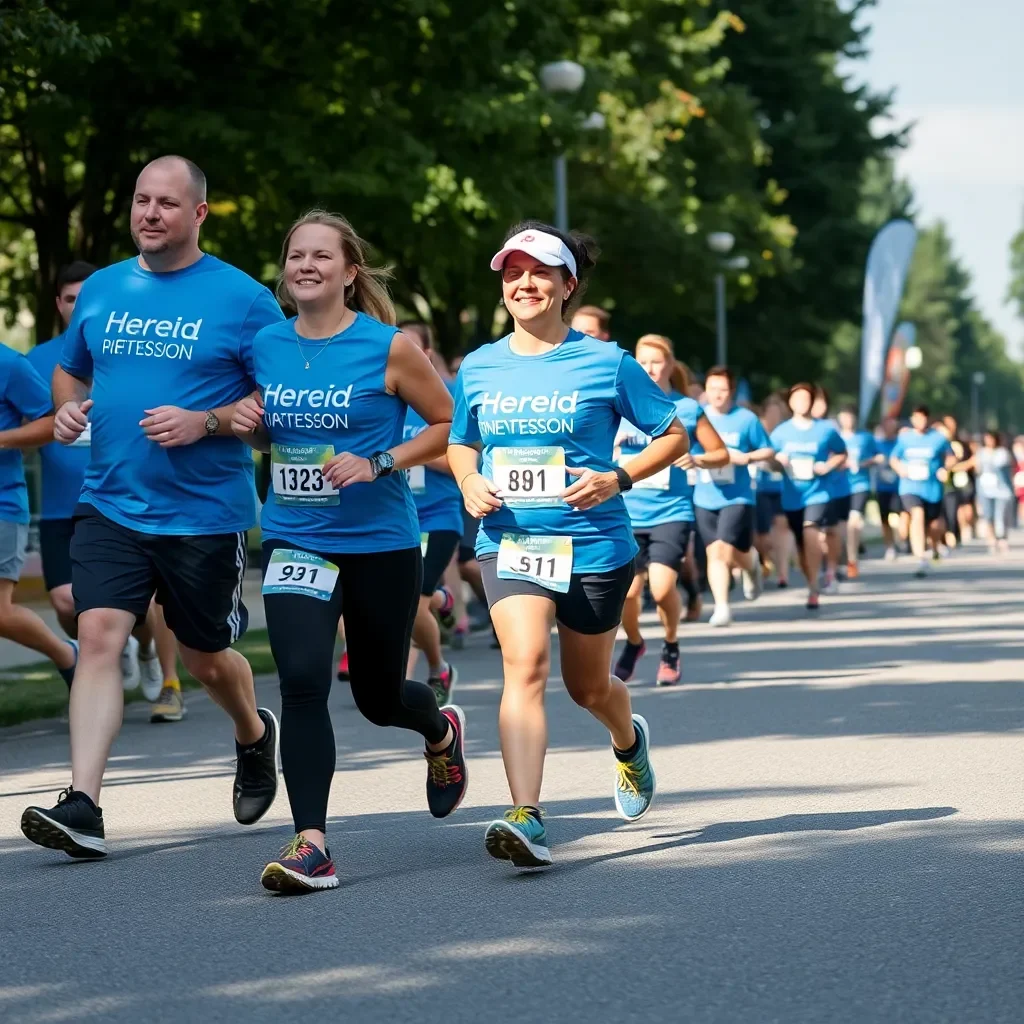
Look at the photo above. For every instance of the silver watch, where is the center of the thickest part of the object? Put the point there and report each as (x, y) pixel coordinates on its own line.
(212, 423)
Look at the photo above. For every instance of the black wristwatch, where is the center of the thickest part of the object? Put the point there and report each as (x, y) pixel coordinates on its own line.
(382, 464)
(625, 480)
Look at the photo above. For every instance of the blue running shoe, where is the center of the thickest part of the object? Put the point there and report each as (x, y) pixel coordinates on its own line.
(520, 838)
(634, 783)
(301, 867)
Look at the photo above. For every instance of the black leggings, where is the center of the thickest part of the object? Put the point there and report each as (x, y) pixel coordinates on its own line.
(377, 595)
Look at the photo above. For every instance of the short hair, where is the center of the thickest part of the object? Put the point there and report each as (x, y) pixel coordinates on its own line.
(602, 316)
(72, 273)
(721, 371)
(195, 173)
(923, 409)
(801, 386)
(849, 409)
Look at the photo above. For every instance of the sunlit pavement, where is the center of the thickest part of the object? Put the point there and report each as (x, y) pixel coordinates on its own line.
(838, 836)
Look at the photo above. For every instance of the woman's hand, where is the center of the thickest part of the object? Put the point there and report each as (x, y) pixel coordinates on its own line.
(686, 462)
(248, 415)
(346, 469)
(590, 489)
(480, 495)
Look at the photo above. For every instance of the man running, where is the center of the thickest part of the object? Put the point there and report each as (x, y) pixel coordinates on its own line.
(861, 456)
(594, 321)
(887, 484)
(165, 342)
(723, 497)
(921, 458)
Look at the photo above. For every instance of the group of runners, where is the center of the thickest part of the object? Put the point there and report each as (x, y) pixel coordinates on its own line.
(590, 475)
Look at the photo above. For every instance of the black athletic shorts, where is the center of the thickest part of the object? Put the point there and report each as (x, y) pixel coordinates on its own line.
(592, 604)
(840, 510)
(664, 544)
(888, 502)
(467, 546)
(197, 580)
(819, 515)
(859, 501)
(733, 524)
(766, 508)
(55, 550)
(932, 509)
(441, 545)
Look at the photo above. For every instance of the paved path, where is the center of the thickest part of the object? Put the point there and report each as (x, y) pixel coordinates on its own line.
(838, 837)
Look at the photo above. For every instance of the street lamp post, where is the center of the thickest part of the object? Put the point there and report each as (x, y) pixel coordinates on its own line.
(977, 380)
(562, 76)
(721, 243)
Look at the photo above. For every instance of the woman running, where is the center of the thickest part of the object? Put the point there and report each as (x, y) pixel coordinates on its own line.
(661, 510)
(772, 537)
(809, 450)
(993, 464)
(340, 534)
(543, 405)
(861, 457)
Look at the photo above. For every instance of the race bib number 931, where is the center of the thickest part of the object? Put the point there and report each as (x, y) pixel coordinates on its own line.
(299, 572)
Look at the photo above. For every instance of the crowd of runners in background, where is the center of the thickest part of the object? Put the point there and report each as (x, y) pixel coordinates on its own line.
(557, 478)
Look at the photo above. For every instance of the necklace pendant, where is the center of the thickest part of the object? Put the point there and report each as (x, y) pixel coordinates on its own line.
(307, 364)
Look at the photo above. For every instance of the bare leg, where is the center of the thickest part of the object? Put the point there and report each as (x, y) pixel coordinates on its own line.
(63, 602)
(24, 627)
(427, 636)
(782, 547)
(917, 532)
(854, 528)
(227, 677)
(666, 596)
(719, 573)
(813, 537)
(632, 608)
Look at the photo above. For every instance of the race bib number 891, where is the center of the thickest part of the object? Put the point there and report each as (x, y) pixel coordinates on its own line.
(529, 476)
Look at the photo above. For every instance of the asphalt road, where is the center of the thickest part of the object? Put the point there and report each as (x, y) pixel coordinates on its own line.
(838, 837)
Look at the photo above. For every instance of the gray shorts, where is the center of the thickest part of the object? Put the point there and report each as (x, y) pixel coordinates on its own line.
(13, 541)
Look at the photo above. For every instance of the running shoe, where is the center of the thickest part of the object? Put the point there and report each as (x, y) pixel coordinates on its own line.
(256, 773)
(68, 674)
(626, 665)
(721, 616)
(668, 667)
(694, 609)
(890, 554)
(753, 581)
(343, 667)
(131, 674)
(813, 602)
(151, 672)
(852, 570)
(446, 613)
(460, 634)
(831, 584)
(443, 684)
(447, 774)
(519, 837)
(74, 825)
(634, 781)
(782, 584)
(922, 569)
(169, 706)
(300, 867)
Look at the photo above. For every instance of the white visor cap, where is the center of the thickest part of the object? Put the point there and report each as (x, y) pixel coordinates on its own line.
(549, 249)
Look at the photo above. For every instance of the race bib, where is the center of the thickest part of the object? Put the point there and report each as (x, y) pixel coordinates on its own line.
(84, 439)
(918, 471)
(721, 475)
(853, 465)
(297, 473)
(801, 467)
(298, 572)
(543, 560)
(659, 481)
(529, 476)
(961, 479)
(417, 476)
(691, 477)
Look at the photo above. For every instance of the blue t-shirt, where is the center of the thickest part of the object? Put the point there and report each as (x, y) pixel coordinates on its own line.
(181, 338)
(437, 496)
(63, 465)
(765, 480)
(922, 455)
(886, 478)
(340, 404)
(24, 395)
(572, 397)
(819, 441)
(666, 497)
(741, 430)
(860, 450)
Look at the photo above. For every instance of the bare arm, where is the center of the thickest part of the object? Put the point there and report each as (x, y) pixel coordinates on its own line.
(67, 388)
(412, 377)
(715, 454)
(32, 434)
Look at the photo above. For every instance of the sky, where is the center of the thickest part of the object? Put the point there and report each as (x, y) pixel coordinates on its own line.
(957, 67)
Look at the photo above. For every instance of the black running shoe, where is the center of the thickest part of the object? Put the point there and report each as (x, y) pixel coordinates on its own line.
(75, 826)
(626, 665)
(446, 770)
(256, 774)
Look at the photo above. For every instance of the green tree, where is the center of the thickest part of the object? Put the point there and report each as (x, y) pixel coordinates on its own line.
(1016, 290)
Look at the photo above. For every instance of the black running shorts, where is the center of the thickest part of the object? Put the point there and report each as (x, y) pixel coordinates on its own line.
(733, 524)
(197, 580)
(55, 550)
(888, 502)
(767, 506)
(664, 544)
(932, 509)
(840, 510)
(592, 604)
(859, 501)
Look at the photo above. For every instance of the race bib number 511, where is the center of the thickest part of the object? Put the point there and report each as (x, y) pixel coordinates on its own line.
(529, 476)
(543, 560)
(298, 572)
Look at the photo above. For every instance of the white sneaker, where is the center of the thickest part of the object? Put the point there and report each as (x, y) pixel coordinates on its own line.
(753, 581)
(721, 616)
(152, 673)
(890, 554)
(922, 569)
(131, 674)
(831, 585)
